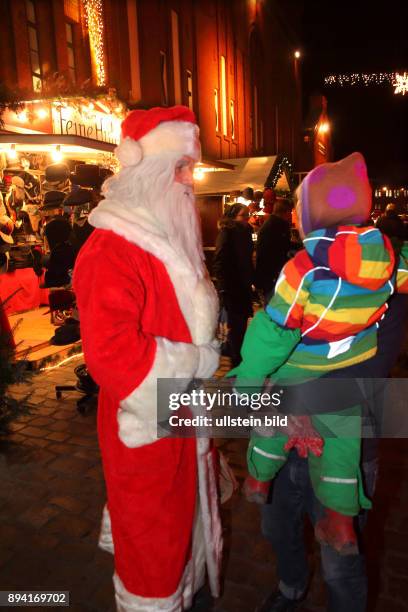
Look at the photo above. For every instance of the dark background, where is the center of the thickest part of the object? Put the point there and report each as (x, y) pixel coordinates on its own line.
(341, 37)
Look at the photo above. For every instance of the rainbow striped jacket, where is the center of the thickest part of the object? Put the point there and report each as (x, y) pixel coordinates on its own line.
(327, 304)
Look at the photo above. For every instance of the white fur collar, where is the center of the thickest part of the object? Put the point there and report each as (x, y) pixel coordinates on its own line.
(195, 292)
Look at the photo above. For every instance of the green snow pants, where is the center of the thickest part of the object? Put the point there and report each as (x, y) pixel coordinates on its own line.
(336, 475)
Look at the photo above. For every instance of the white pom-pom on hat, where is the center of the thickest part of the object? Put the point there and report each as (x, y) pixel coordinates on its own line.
(129, 152)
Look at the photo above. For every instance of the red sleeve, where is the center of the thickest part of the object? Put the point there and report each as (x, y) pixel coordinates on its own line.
(110, 296)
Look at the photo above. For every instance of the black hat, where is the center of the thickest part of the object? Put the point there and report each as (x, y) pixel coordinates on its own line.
(87, 175)
(56, 173)
(53, 199)
(78, 197)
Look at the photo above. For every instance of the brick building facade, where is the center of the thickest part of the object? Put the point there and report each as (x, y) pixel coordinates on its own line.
(232, 62)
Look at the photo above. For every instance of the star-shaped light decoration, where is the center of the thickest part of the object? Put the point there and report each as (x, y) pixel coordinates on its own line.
(401, 83)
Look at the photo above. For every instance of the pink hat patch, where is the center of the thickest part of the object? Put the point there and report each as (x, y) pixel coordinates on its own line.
(341, 197)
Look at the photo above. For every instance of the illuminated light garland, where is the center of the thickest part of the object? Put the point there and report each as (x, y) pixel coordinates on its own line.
(361, 78)
(401, 83)
(61, 363)
(94, 22)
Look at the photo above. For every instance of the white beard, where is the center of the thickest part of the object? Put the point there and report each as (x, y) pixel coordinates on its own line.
(177, 214)
(151, 186)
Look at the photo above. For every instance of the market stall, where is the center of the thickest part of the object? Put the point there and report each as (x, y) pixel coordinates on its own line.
(217, 186)
(54, 157)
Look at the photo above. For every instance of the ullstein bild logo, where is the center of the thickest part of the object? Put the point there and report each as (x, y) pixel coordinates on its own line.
(228, 421)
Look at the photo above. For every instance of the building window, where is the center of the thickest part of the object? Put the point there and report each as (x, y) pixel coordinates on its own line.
(175, 41)
(224, 96)
(33, 44)
(189, 90)
(255, 119)
(163, 79)
(71, 10)
(70, 47)
(217, 110)
(232, 118)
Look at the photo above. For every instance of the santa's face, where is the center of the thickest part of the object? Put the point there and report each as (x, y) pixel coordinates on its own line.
(184, 171)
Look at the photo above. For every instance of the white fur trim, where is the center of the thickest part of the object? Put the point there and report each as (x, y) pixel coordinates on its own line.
(209, 358)
(171, 137)
(137, 415)
(208, 496)
(105, 541)
(129, 152)
(128, 602)
(195, 293)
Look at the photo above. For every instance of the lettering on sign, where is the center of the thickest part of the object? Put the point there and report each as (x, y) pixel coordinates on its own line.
(92, 124)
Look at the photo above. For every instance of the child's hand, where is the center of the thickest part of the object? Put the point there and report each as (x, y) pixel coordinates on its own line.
(303, 437)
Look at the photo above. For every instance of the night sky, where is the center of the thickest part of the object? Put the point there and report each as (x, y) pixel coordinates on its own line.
(346, 36)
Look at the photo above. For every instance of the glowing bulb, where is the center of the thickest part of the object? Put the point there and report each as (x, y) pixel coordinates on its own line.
(57, 155)
(198, 174)
(23, 117)
(323, 128)
(41, 113)
(12, 153)
(297, 54)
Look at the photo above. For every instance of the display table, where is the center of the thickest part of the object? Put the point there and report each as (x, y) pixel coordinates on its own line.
(29, 294)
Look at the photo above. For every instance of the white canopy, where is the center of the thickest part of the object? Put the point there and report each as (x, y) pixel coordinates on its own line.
(247, 172)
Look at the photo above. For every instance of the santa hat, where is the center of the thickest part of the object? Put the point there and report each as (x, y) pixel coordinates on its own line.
(335, 193)
(158, 132)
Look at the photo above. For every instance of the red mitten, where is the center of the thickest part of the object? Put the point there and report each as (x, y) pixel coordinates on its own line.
(255, 490)
(303, 437)
(337, 530)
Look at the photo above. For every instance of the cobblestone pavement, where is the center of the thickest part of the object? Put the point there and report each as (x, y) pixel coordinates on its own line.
(52, 494)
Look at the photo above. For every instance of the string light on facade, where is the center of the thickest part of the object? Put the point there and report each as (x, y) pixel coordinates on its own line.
(94, 22)
(361, 78)
(401, 83)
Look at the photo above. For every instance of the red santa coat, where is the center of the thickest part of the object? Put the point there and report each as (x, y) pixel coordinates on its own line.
(143, 311)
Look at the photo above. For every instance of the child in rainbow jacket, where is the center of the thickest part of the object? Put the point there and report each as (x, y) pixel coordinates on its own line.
(324, 317)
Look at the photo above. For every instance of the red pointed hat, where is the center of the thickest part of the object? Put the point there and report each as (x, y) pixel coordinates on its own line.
(158, 132)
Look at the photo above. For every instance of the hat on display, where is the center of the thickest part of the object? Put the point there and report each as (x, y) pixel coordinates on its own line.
(18, 182)
(335, 193)
(53, 199)
(56, 173)
(78, 197)
(86, 175)
(6, 229)
(158, 132)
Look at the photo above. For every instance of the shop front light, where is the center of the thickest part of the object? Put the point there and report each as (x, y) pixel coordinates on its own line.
(57, 155)
(198, 174)
(12, 153)
(41, 113)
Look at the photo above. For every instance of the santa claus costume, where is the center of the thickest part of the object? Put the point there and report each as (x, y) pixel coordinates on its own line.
(148, 311)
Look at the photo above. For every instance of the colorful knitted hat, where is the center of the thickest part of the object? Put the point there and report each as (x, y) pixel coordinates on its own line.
(335, 193)
(158, 132)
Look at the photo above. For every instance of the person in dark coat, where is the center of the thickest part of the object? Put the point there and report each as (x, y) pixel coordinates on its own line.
(272, 247)
(392, 225)
(61, 260)
(234, 273)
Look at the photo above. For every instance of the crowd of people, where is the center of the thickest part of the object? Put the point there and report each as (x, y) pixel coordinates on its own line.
(329, 306)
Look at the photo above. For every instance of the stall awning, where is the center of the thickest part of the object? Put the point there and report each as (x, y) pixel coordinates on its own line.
(75, 147)
(247, 172)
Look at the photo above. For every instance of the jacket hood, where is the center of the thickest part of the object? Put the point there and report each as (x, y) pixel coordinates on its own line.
(362, 256)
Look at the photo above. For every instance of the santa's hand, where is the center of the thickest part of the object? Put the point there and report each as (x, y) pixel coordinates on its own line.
(208, 359)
